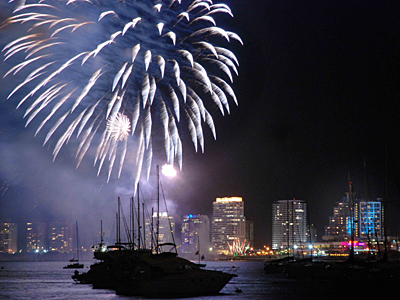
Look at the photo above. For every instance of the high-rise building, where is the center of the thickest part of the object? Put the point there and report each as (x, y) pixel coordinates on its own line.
(339, 223)
(371, 219)
(166, 229)
(195, 233)
(61, 237)
(289, 224)
(228, 223)
(35, 236)
(8, 237)
(367, 216)
(250, 232)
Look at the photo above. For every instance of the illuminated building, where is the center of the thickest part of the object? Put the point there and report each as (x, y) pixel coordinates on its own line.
(166, 229)
(35, 236)
(368, 221)
(195, 231)
(8, 237)
(371, 219)
(289, 224)
(61, 237)
(228, 223)
(338, 223)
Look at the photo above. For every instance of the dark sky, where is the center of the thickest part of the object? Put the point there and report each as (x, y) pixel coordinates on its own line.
(318, 92)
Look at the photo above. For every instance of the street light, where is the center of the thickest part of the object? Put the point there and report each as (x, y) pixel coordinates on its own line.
(311, 250)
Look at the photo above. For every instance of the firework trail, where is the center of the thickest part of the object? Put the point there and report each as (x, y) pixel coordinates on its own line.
(105, 70)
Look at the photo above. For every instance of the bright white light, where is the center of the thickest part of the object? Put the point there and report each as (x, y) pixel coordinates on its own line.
(119, 127)
(168, 170)
(310, 246)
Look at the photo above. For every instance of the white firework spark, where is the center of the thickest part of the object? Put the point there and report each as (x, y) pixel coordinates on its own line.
(119, 127)
(107, 69)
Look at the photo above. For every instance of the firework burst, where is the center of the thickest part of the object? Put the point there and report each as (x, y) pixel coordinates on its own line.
(105, 70)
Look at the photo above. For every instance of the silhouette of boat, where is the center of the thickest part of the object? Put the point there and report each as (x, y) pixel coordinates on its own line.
(166, 275)
(74, 263)
(151, 272)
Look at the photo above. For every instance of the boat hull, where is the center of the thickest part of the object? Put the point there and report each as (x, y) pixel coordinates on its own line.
(74, 266)
(185, 284)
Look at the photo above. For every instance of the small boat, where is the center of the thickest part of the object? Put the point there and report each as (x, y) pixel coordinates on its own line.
(74, 263)
(74, 266)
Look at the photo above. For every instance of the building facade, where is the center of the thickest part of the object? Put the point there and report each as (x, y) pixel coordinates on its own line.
(228, 223)
(166, 230)
(35, 236)
(61, 237)
(195, 234)
(364, 219)
(289, 224)
(8, 237)
(371, 219)
(250, 233)
(338, 228)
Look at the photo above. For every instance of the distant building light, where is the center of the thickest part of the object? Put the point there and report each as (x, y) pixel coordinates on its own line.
(230, 199)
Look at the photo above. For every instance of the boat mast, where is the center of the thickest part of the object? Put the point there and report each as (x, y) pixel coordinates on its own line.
(138, 213)
(77, 241)
(101, 233)
(158, 208)
(132, 223)
(119, 222)
(152, 230)
(288, 228)
(144, 228)
(292, 213)
(385, 203)
(198, 246)
(351, 203)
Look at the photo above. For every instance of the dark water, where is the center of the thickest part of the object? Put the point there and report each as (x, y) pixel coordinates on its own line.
(48, 280)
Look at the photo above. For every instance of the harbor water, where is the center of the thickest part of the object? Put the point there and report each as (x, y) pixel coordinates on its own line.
(48, 280)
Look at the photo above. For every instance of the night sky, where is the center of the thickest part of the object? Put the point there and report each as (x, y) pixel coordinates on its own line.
(318, 92)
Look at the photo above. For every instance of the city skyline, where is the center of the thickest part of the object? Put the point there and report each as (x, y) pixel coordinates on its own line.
(228, 226)
(317, 92)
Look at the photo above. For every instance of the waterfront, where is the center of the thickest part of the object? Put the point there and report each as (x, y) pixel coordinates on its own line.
(48, 280)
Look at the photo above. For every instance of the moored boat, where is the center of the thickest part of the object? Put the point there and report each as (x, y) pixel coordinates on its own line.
(130, 269)
(166, 275)
(74, 263)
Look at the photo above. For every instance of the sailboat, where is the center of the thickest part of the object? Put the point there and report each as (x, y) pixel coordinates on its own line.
(74, 263)
(151, 272)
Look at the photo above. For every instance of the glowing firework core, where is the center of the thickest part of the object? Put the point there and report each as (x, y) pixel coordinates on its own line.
(168, 170)
(119, 127)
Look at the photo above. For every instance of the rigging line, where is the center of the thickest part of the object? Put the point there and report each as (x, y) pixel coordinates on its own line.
(150, 229)
(142, 238)
(169, 221)
(146, 216)
(126, 226)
